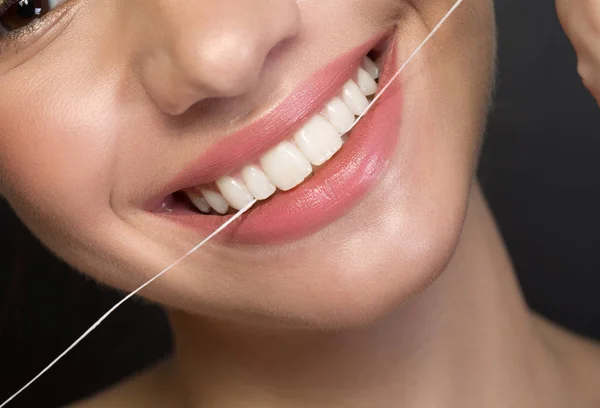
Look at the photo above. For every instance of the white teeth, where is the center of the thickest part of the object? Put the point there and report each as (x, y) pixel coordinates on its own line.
(199, 202)
(318, 140)
(290, 162)
(235, 192)
(258, 184)
(215, 200)
(371, 67)
(366, 84)
(354, 98)
(285, 166)
(339, 115)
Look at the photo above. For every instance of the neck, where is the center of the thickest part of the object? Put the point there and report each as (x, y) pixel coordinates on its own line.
(467, 340)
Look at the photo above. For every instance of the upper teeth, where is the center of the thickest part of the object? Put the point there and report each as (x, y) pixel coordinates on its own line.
(291, 161)
(371, 68)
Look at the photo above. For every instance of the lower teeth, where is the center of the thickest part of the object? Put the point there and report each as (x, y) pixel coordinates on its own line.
(291, 162)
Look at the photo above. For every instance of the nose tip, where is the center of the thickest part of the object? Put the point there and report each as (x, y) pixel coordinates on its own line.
(228, 64)
(220, 55)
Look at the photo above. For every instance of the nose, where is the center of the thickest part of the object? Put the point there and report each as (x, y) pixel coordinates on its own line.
(198, 49)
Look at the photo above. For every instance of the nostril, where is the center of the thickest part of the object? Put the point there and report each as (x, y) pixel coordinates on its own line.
(221, 56)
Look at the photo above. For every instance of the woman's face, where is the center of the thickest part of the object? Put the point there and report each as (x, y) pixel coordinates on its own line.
(112, 110)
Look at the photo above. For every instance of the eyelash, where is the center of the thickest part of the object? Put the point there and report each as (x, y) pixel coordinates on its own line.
(21, 34)
(6, 6)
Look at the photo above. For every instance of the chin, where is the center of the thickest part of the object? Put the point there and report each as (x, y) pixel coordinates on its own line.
(354, 281)
(322, 258)
(351, 221)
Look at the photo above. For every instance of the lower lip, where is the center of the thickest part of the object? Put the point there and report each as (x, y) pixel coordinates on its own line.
(330, 193)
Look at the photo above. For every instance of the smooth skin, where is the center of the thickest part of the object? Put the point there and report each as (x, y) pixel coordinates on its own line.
(408, 300)
(581, 21)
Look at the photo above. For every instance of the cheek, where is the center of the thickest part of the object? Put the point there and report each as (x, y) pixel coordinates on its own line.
(55, 150)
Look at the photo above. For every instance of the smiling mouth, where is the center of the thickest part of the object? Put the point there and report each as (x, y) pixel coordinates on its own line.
(292, 161)
(307, 160)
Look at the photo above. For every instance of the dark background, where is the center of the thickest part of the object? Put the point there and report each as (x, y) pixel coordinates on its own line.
(539, 169)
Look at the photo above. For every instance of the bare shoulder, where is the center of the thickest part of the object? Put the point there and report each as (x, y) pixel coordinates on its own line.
(580, 358)
(146, 389)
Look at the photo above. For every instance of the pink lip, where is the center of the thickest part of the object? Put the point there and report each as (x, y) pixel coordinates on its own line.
(335, 187)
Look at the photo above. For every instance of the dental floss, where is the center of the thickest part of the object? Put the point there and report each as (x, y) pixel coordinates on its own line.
(415, 52)
(130, 295)
(227, 223)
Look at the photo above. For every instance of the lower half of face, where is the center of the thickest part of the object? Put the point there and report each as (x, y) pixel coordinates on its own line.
(89, 160)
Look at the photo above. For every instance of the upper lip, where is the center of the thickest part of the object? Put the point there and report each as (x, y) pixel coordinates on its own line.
(247, 144)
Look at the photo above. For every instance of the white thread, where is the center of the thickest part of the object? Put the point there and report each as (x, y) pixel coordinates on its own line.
(225, 225)
(126, 298)
(415, 52)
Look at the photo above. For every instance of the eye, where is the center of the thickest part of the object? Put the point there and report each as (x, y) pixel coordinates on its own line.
(20, 13)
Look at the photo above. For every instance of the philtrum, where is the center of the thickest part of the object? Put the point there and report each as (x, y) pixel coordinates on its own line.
(226, 224)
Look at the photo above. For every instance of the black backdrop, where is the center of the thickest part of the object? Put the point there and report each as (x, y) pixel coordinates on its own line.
(539, 169)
